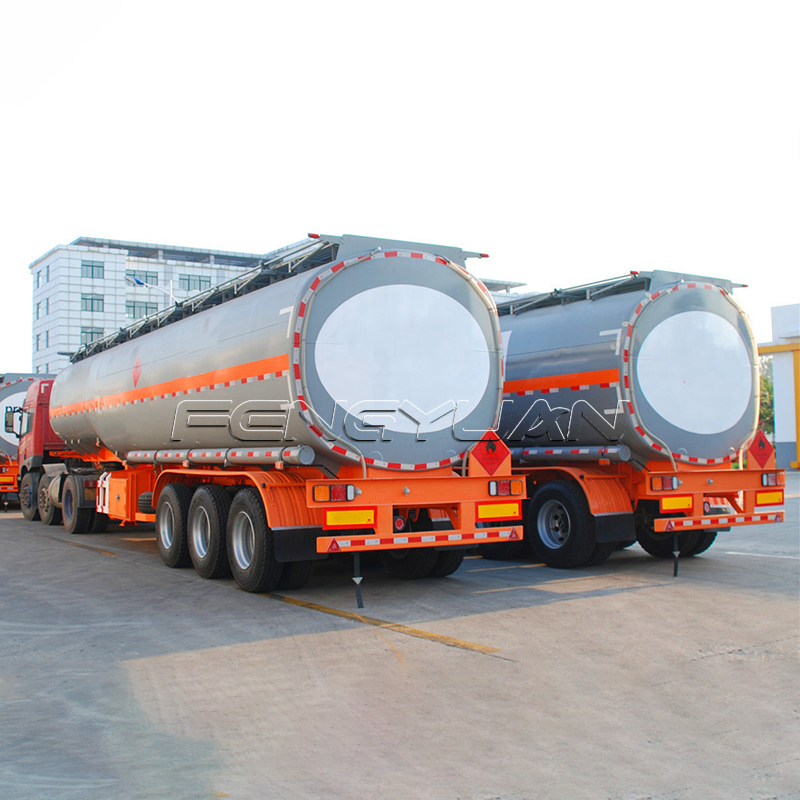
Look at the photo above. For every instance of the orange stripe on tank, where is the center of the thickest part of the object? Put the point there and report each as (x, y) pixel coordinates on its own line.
(562, 381)
(230, 375)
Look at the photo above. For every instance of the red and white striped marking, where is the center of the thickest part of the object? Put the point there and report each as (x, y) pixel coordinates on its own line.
(335, 544)
(731, 520)
(626, 375)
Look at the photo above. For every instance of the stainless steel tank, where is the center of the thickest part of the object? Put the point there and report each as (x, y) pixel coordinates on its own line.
(658, 365)
(390, 356)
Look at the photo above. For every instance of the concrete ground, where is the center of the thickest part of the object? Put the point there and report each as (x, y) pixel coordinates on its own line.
(120, 678)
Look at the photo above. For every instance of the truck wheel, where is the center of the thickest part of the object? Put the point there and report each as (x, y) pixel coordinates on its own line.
(48, 513)
(295, 574)
(411, 563)
(602, 552)
(251, 550)
(447, 562)
(28, 496)
(76, 519)
(704, 541)
(171, 517)
(502, 551)
(559, 527)
(660, 545)
(208, 520)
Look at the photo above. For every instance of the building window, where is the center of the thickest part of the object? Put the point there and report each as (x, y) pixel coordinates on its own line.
(47, 274)
(195, 283)
(38, 342)
(39, 279)
(92, 302)
(38, 311)
(142, 275)
(136, 310)
(47, 305)
(89, 335)
(46, 339)
(92, 269)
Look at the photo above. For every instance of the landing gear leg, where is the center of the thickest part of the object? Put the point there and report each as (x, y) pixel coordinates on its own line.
(357, 578)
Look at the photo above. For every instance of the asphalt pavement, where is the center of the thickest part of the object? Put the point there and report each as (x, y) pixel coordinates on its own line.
(121, 678)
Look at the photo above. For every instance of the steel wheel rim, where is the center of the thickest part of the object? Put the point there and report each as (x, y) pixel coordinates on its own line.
(68, 504)
(201, 532)
(243, 540)
(166, 526)
(553, 525)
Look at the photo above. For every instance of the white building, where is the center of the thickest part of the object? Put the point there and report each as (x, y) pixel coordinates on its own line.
(785, 352)
(86, 289)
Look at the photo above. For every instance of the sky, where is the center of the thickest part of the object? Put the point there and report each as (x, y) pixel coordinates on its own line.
(573, 142)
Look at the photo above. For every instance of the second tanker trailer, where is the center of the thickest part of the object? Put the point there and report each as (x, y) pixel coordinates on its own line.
(340, 398)
(626, 402)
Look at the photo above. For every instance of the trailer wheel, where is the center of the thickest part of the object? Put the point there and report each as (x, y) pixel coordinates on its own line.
(295, 574)
(659, 545)
(76, 519)
(208, 521)
(447, 562)
(172, 514)
(410, 563)
(28, 496)
(559, 527)
(602, 552)
(704, 541)
(251, 550)
(48, 513)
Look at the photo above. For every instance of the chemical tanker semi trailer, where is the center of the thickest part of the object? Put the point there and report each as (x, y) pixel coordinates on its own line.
(626, 403)
(339, 398)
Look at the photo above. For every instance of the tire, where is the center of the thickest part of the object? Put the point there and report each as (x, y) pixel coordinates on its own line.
(172, 514)
(660, 545)
(251, 550)
(76, 519)
(145, 503)
(447, 562)
(28, 496)
(207, 529)
(48, 513)
(295, 574)
(704, 541)
(503, 551)
(411, 563)
(602, 552)
(559, 528)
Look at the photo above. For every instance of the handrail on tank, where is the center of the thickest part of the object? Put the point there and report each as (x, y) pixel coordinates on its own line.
(277, 266)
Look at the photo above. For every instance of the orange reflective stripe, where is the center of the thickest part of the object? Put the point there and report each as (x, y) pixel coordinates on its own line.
(186, 384)
(562, 381)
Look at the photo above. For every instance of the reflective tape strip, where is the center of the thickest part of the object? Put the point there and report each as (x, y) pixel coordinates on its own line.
(333, 544)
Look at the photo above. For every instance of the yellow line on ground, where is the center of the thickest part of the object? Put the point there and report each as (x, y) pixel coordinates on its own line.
(391, 626)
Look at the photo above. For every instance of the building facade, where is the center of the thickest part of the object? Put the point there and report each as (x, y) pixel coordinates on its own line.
(89, 288)
(785, 352)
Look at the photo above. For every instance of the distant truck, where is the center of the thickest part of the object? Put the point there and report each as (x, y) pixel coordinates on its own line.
(13, 386)
(340, 398)
(626, 402)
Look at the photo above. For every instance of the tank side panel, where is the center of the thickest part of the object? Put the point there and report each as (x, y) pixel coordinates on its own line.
(672, 374)
(180, 387)
(563, 375)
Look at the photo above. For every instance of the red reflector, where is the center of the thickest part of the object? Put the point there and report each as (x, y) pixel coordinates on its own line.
(338, 493)
(503, 488)
(513, 536)
(333, 547)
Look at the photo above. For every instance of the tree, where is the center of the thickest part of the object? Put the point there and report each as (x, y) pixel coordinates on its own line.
(767, 411)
